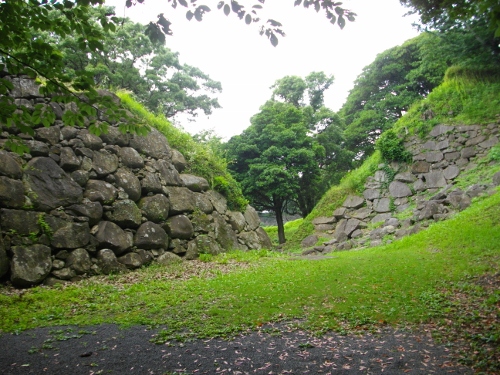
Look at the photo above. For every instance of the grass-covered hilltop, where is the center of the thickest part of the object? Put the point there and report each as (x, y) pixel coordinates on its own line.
(110, 213)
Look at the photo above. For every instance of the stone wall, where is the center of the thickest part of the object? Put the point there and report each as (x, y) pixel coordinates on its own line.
(80, 204)
(422, 191)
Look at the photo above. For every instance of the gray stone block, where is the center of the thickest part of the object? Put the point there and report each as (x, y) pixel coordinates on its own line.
(353, 201)
(435, 179)
(399, 189)
(381, 205)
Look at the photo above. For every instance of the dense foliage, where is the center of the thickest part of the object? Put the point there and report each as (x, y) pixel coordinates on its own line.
(275, 160)
(129, 60)
(285, 159)
(443, 13)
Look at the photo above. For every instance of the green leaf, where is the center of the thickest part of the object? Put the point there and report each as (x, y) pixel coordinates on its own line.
(189, 15)
(274, 40)
(341, 22)
(297, 2)
(248, 19)
(227, 9)
(220, 4)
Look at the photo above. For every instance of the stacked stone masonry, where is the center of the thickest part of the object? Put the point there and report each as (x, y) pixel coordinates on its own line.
(425, 187)
(81, 204)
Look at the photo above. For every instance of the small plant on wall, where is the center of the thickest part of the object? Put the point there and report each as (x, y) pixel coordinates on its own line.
(392, 147)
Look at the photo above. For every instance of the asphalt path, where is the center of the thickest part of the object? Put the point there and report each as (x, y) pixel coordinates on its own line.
(274, 349)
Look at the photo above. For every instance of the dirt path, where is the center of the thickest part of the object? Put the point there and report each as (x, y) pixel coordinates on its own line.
(274, 349)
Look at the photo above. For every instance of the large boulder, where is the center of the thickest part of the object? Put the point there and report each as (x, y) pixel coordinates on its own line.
(204, 244)
(90, 140)
(237, 220)
(108, 263)
(11, 193)
(382, 205)
(50, 135)
(114, 136)
(125, 213)
(451, 172)
(30, 265)
(182, 200)
(168, 173)
(79, 261)
(179, 226)
(223, 232)
(155, 208)
(71, 236)
(151, 236)
(178, 161)
(100, 191)
(194, 183)
(130, 184)
(48, 186)
(252, 218)
(104, 163)
(309, 241)
(168, 258)
(203, 203)
(19, 221)
(151, 183)
(435, 179)
(250, 240)
(111, 236)
(24, 87)
(92, 210)
(9, 166)
(361, 213)
(265, 241)
(399, 189)
(353, 201)
(131, 158)
(68, 159)
(371, 194)
(218, 201)
(131, 260)
(153, 144)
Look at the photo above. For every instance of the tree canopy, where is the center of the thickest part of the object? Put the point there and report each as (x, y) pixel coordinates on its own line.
(439, 13)
(274, 158)
(292, 151)
(248, 12)
(130, 61)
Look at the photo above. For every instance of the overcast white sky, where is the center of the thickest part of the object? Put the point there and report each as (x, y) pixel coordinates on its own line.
(247, 65)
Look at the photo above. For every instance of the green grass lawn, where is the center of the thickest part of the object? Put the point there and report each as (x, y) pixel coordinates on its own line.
(406, 282)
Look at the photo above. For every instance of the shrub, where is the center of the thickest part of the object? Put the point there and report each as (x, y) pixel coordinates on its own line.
(392, 147)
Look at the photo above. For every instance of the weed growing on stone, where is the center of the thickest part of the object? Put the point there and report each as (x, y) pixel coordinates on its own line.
(44, 226)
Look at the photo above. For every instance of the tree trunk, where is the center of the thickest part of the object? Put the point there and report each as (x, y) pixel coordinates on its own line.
(281, 228)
